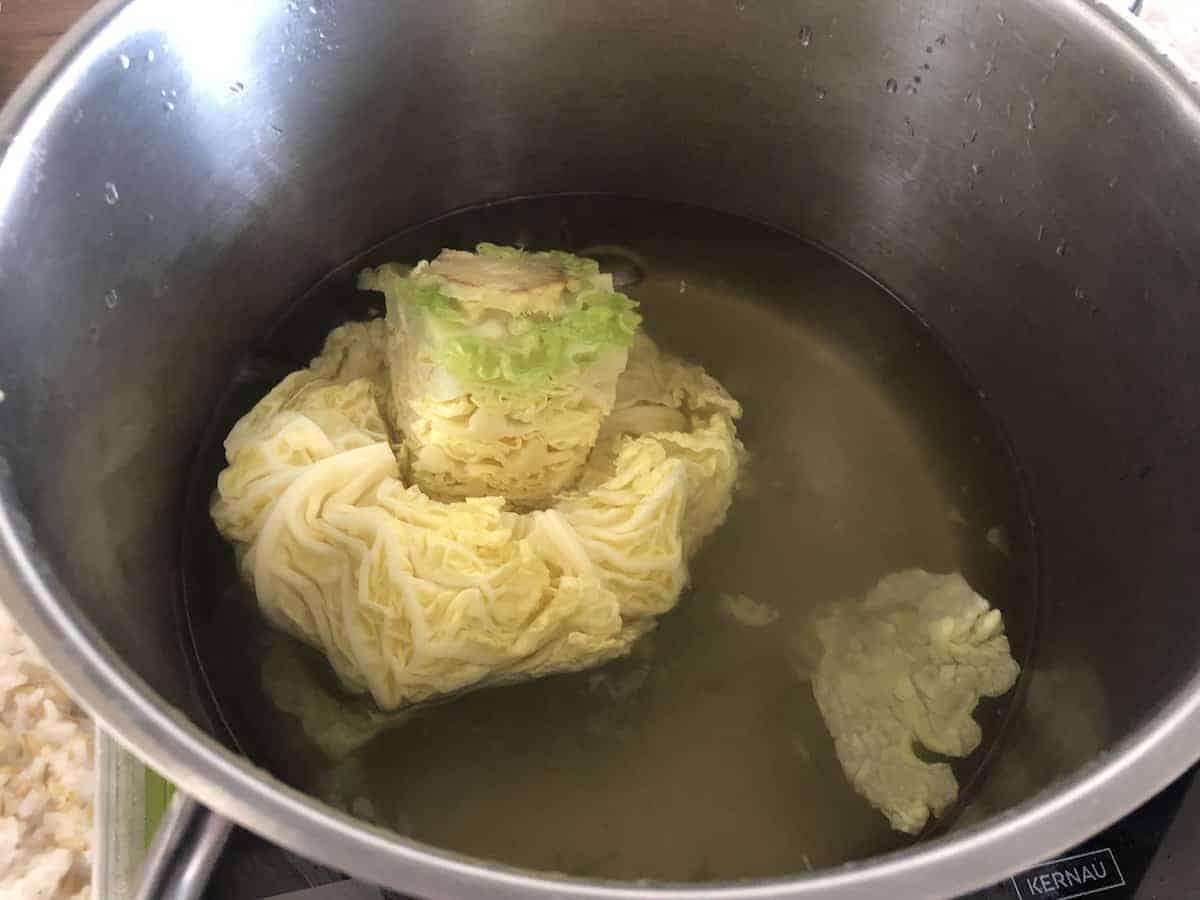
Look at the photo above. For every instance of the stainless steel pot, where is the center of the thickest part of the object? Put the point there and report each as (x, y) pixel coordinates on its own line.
(1024, 173)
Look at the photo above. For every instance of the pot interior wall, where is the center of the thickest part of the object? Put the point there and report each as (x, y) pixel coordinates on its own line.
(1008, 169)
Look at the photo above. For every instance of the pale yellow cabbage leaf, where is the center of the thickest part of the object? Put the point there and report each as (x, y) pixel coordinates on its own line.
(411, 597)
(503, 364)
(907, 665)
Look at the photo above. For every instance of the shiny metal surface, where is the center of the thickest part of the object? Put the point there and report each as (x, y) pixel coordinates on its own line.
(1021, 172)
(186, 846)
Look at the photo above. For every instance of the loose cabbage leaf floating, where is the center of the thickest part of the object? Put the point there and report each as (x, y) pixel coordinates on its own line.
(907, 665)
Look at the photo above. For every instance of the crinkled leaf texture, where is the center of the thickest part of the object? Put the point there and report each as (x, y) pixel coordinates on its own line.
(503, 364)
(908, 664)
(411, 597)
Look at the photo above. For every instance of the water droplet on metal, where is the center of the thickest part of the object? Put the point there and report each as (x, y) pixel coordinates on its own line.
(682, 286)
(821, 93)
(804, 36)
(1079, 294)
(910, 89)
(1062, 248)
(150, 56)
(976, 169)
(1041, 232)
(941, 40)
(1058, 48)
(111, 197)
(237, 87)
(111, 298)
(891, 85)
(124, 61)
(1001, 18)
(168, 106)
(1114, 181)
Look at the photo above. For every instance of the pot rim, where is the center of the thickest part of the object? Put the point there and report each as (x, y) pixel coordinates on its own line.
(1056, 818)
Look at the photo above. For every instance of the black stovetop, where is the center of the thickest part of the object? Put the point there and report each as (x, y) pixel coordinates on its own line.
(1149, 855)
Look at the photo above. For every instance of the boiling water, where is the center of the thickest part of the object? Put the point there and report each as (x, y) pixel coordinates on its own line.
(703, 755)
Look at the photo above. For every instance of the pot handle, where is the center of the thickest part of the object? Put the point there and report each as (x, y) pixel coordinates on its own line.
(186, 846)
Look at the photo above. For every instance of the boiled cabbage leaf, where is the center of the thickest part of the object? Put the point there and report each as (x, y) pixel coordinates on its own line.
(906, 666)
(502, 364)
(412, 597)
